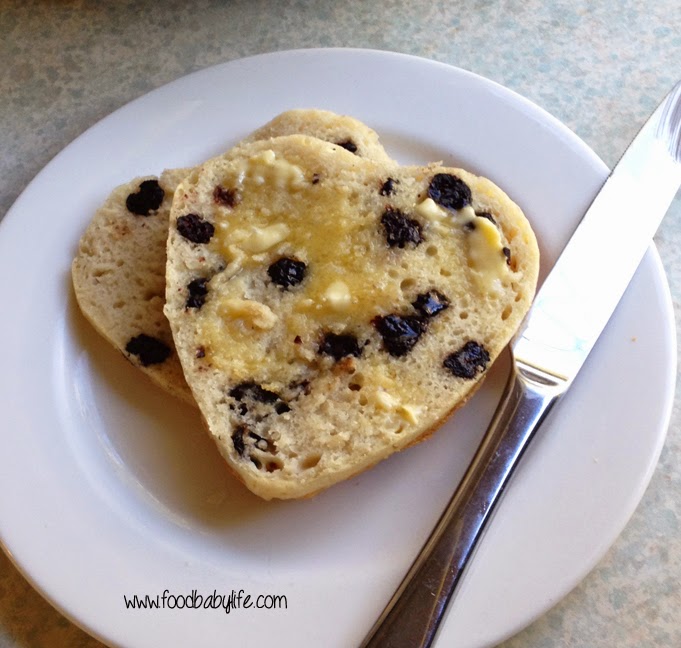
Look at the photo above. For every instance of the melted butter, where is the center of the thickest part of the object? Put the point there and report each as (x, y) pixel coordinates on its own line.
(486, 258)
(260, 239)
(338, 296)
(314, 223)
(345, 285)
(485, 254)
(265, 168)
(430, 210)
(251, 312)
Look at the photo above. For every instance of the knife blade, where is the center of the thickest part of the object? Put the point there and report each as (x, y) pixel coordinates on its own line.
(567, 317)
(593, 271)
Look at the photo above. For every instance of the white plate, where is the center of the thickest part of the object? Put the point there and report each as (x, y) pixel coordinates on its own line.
(109, 488)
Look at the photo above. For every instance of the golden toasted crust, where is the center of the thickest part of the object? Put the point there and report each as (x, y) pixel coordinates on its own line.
(347, 306)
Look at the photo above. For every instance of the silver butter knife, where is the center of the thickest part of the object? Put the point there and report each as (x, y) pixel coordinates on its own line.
(569, 312)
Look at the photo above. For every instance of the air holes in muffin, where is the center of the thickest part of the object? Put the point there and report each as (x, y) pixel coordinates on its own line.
(359, 377)
(432, 250)
(407, 284)
(273, 465)
(506, 313)
(357, 381)
(147, 199)
(463, 315)
(195, 229)
(310, 461)
(348, 145)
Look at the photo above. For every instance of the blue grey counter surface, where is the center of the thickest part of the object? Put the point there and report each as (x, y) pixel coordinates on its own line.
(598, 66)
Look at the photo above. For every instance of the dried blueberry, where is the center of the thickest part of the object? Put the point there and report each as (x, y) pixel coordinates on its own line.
(195, 229)
(287, 272)
(388, 187)
(197, 293)
(149, 350)
(348, 145)
(226, 197)
(238, 440)
(400, 229)
(340, 345)
(431, 303)
(250, 389)
(468, 361)
(147, 199)
(252, 392)
(449, 191)
(400, 333)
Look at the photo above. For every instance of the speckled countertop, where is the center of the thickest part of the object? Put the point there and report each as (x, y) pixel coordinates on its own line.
(598, 66)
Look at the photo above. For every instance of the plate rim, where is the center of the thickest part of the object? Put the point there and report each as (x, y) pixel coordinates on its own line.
(15, 210)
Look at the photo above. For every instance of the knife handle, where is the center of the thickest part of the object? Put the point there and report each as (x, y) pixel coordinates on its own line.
(412, 617)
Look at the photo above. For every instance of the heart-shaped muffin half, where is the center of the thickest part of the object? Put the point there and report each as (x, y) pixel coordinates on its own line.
(336, 309)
